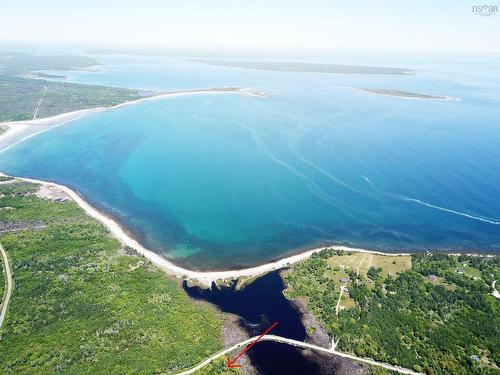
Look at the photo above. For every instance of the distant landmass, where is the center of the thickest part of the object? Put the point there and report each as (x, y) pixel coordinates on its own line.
(12, 63)
(406, 94)
(26, 94)
(305, 67)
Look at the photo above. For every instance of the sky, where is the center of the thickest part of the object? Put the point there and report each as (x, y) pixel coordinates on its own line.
(425, 25)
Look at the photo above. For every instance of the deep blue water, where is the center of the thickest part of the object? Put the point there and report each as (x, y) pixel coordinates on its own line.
(230, 180)
(259, 305)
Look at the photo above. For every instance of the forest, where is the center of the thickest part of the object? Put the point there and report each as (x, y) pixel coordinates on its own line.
(437, 316)
(25, 87)
(83, 304)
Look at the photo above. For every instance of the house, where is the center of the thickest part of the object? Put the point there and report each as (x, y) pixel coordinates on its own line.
(345, 280)
(460, 271)
(432, 278)
(474, 358)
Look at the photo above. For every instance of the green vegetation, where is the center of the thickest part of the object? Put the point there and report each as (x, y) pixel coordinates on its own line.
(83, 305)
(2, 280)
(376, 370)
(401, 314)
(405, 94)
(362, 262)
(306, 67)
(218, 367)
(20, 95)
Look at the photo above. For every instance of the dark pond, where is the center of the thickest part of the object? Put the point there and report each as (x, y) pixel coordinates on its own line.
(259, 305)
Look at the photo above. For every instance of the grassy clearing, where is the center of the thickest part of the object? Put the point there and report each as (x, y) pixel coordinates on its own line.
(363, 262)
(466, 268)
(346, 302)
(395, 313)
(81, 305)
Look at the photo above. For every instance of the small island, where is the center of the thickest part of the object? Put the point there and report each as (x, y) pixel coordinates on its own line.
(306, 67)
(406, 94)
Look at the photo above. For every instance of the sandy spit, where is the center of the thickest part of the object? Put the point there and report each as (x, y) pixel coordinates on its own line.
(19, 131)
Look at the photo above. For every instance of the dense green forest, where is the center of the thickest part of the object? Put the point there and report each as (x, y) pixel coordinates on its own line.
(22, 90)
(437, 317)
(82, 304)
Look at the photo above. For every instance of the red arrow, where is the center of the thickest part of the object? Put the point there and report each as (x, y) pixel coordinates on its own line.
(231, 363)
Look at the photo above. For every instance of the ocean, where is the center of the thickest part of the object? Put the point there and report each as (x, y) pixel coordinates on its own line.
(227, 180)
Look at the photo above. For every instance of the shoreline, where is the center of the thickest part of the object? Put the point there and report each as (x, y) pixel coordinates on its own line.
(405, 95)
(26, 129)
(409, 95)
(30, 128)
(205, 278)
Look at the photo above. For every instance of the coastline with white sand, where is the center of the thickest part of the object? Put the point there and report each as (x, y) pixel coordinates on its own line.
(19, 131)
(205, 278)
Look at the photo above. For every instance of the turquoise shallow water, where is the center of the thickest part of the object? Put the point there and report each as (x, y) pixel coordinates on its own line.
(226, 180)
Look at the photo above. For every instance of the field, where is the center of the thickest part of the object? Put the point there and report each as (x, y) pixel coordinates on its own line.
(82, 304)
(361, 262)
(433, 313)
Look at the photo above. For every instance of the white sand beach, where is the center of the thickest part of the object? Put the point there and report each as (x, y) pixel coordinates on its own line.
(21, 130)
(18, 131)
(204, 278)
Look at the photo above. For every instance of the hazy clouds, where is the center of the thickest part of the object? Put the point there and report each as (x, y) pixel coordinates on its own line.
(447, 25)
